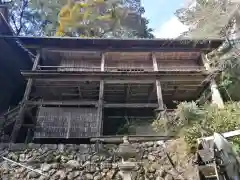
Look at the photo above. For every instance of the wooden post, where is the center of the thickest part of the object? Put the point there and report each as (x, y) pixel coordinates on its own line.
(4, 12)
(100, 101)
(216, 96)
(20, 118)
(158, 84)
(102, 62)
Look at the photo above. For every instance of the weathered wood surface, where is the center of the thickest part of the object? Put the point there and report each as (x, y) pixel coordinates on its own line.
(66, 122)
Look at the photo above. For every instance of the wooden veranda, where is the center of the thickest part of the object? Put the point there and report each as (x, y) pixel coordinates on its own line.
(77, 87)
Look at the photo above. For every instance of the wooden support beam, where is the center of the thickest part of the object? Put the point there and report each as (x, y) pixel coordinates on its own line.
(63, 103)
(106, 74)
(102, 139)
(158, 83)
(100, 100)
(130, 117)
(79, 92)
(132, 105)
(159, 95)
(178, 80)
(118, 78)
(20, 118)
(100, 108)
(93, 103)
(102, 62)
(127, 92)
(216, 96)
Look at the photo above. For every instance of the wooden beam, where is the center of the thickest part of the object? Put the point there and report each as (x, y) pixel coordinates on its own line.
(102, 62)
(102, 139)
(126, 78)
(216, 96)
(111, 83)
(130, 117)
(100, 108)
(100, 100)
(127, 92)
(57, 74)
(20, 118)
(159, 95)
(158, 83)
(129, 82)
(179, 88)
(62, 103)
(146, 49)
(132, 105)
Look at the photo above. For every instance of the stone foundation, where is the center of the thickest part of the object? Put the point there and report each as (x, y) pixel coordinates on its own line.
(81, 162)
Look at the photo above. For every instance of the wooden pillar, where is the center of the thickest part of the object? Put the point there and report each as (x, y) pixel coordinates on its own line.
(5, 12)
(100, 101)
(216, 96)
(158, 83)
(20, 117)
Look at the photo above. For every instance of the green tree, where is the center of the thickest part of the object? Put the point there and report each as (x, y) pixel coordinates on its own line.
(40, 17)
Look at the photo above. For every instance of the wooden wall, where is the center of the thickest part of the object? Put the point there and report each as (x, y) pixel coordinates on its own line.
(66, 122)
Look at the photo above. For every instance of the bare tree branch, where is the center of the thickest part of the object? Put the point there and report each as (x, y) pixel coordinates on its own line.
(14, 22)
(24, 6)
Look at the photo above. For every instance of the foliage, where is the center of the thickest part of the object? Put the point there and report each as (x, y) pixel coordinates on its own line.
(204, 121)
(229, 80)
(214, 19)
(207, 18)
(40, 17)
(160, 124)
(187, 112)
(92, 17)
(184, 115)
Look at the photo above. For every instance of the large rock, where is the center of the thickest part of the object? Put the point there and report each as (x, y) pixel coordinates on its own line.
(73, 175)
(13, 156)
(151, 157)
(33, 174)
(60, 175)
(89, 176)
(169, 177)
(22, 157)
(161, 172)
(73, 164)
(46, 167)
(97, 177)
(110, 174)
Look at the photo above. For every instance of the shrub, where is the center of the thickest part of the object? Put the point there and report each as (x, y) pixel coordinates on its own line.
(192, 121)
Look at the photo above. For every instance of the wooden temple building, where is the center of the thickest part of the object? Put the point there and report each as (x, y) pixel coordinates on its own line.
(80, 88)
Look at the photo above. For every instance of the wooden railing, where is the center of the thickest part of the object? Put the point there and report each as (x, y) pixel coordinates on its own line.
(121, 69)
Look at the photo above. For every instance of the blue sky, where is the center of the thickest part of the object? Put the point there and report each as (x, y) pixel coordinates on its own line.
(161, 16)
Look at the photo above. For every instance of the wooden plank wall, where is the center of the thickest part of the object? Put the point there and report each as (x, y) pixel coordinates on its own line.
(66, 122)
(79, 65)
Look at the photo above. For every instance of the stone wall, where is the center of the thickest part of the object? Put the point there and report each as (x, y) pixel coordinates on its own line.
(81, 162)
